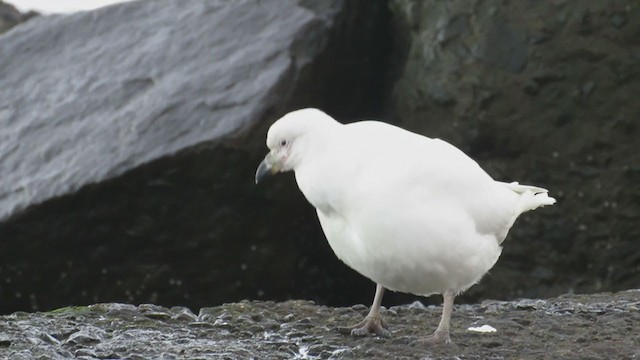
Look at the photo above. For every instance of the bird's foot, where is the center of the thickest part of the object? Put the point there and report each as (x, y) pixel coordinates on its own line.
(372, 324)
(438, 337)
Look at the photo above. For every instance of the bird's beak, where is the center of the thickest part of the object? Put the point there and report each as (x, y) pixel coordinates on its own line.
(266, 168)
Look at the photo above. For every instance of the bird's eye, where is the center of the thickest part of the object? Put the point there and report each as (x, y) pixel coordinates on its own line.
(283, 143)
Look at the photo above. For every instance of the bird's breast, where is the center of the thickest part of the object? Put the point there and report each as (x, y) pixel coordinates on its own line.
(343, 239)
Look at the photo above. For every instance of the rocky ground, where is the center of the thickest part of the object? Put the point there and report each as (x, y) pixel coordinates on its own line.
(568, 327)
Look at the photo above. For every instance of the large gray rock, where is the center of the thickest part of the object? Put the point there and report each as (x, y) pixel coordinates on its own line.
(97, 94)
(131, 135)
(542, 92)
(568, 327)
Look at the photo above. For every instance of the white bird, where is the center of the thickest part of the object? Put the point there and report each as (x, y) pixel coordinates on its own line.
(412, 213)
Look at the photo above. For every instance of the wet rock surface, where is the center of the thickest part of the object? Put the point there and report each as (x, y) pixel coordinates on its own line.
(568, 327)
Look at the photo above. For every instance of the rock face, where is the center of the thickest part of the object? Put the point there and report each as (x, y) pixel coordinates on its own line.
(568, 327)
(9, 16)
(132, 133)
(92, 110)
(541, 92)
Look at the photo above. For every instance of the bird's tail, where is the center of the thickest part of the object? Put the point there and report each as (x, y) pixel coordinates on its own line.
(531, 197)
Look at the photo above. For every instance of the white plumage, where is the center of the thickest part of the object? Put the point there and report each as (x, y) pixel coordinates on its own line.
(411, 213)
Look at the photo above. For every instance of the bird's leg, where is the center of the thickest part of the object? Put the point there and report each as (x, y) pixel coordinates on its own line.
(373, 322)
(441, 335)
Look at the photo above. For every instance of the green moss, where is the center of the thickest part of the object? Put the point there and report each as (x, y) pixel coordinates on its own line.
(70, 309)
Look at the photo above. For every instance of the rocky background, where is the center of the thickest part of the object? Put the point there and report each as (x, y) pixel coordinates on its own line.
(129, 138)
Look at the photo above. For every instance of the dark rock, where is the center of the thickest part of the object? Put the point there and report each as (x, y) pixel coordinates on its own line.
(602, 325)
(544, 77)
(504, 47)
(618, 20)
(539, 38)
(439, 95)
(455, 27)
(85, 336)
(9, 16)
(182, 313)
(587, 88)
(565, 119)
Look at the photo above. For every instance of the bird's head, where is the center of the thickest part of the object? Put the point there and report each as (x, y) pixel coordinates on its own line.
(288, 138)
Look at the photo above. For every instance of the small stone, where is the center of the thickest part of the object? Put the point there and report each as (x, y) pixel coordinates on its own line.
(113, 307)
(183, 314)
(416, 305)
(221, 324)
(199, 324)
(315, 350)
(87, 352)
(539, 38)
(256, 328)
(531, 88)
(297, 334)
(86, 335)
(618, 20)
(359, 307)
(305, 323)
(157, 315)
(439, 95)
(456, 26)
(492, 344)
(587, 88)
(245, 319)
(581, 339)
(22, 355)
(272, 325)
(167, 357)
(208, 314)
(544, 77)
(48, 339)
(530, 304)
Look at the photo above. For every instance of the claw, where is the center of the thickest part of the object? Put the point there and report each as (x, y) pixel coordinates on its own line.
(370, 325)
(438, 337)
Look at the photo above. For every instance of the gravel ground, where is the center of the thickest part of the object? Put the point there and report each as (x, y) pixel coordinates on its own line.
(595, 326)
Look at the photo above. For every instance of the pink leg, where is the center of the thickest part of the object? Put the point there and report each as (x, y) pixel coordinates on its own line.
(373, 322)
(441, 335)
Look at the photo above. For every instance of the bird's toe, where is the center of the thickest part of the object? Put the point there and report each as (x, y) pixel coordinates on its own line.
(435, 339)
(359, 332)
(370, 325)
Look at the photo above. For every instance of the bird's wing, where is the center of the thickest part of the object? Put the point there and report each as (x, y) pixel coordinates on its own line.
(403, 170)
